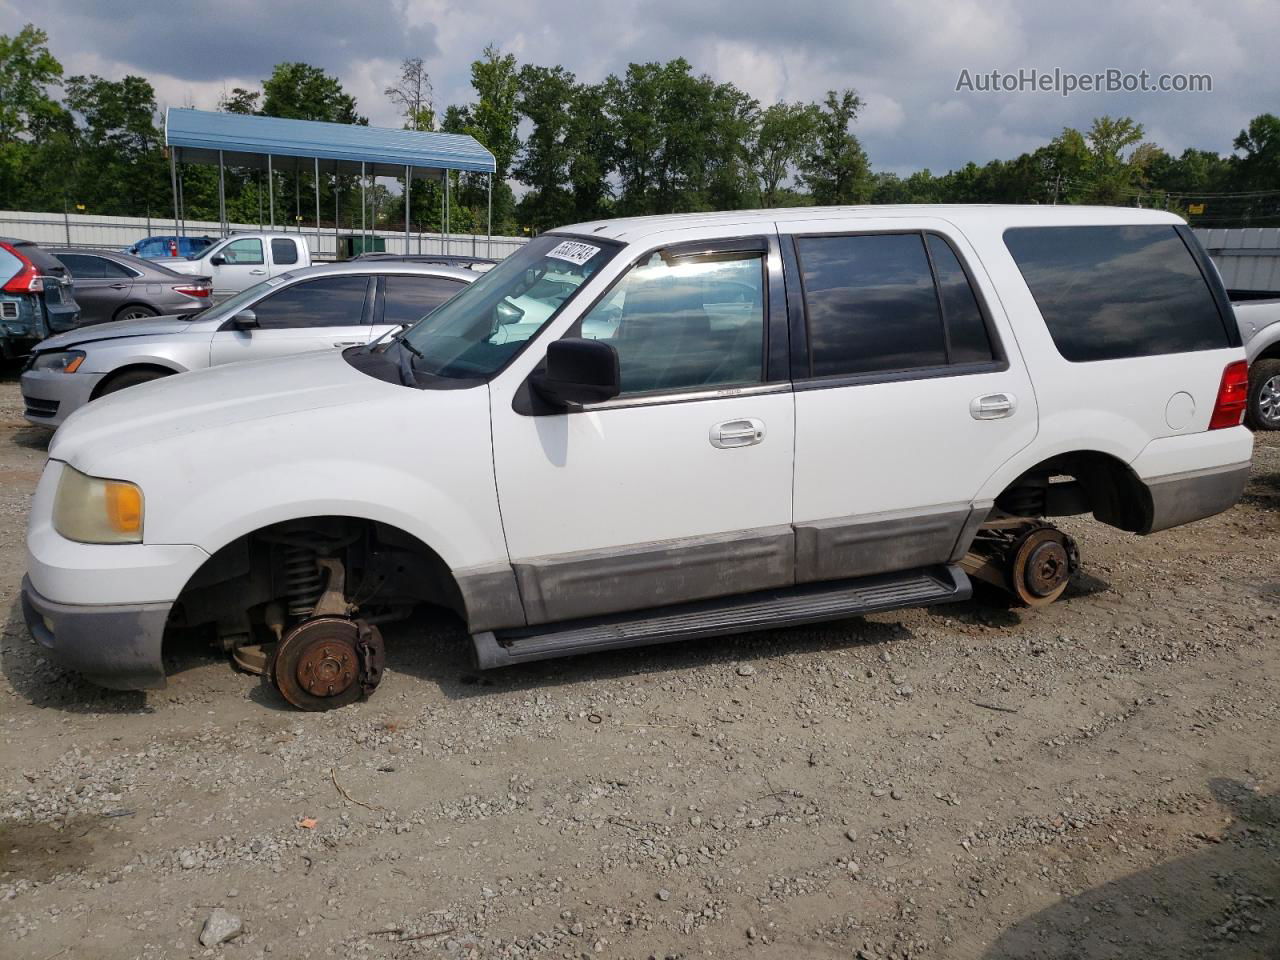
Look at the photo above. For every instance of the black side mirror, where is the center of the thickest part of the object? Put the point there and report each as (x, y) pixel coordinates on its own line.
(245, 320)
(579, 371)
(218, 260)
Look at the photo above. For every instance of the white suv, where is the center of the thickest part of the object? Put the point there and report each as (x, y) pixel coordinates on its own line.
(639, 431)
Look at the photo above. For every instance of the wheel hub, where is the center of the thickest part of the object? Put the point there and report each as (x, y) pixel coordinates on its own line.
(326, 669)
(1269, 399)
(327, 662)
(1046, 568)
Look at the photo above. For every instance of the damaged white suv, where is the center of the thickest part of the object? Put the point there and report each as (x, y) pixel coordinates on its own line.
(650, 430)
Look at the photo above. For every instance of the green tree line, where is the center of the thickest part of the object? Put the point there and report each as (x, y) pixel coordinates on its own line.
(656, 138)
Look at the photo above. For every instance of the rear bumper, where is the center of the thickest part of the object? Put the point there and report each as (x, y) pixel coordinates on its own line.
(49, 397)
(1184, 497)
(116, 646)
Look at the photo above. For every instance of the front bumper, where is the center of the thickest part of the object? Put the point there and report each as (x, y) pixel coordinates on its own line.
(116, 645)
(49, 397)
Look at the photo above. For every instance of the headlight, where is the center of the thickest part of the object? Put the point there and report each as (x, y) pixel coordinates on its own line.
(93, 510)
(62, 361)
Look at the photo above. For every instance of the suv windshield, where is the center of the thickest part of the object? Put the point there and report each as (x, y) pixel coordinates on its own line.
(473, 335)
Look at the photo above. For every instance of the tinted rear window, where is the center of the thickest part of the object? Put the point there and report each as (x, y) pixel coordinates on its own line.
(44, 261)
(284, 252)
(1108, 293)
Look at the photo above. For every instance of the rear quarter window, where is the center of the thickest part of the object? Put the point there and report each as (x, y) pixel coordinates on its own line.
(1114, 292)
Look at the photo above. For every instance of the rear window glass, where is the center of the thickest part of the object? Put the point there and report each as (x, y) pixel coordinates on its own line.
(284, 252)
(1108, 293)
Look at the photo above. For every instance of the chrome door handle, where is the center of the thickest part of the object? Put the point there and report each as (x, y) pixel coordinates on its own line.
(737, 433)
(994, 406)
(347, 343)
(257, 273)
(119, 286)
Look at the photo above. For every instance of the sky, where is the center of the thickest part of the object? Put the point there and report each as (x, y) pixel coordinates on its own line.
(904, 59)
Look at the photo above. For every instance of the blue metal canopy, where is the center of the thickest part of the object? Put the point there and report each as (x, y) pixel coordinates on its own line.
(206, 136)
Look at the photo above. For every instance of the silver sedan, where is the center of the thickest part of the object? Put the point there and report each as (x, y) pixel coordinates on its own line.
(315, 308)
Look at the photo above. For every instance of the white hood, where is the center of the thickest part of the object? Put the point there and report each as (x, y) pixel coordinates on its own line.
(110, 428)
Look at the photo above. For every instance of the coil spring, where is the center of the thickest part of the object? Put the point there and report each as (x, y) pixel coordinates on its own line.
(303, 581)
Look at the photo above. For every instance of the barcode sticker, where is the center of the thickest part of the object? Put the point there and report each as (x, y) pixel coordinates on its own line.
(574, 251)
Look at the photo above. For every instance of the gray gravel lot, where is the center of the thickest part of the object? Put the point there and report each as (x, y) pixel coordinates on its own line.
(1093, 780)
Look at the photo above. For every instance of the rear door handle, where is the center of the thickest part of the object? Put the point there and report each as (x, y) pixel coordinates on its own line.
(737, 433)
(994, 406)
(119, 286)
(257, 273)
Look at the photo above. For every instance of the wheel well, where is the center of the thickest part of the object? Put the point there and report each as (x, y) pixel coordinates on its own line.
(134, 303)
(253, 583)
(1271, 353)
(131, 368)
(1083, 481)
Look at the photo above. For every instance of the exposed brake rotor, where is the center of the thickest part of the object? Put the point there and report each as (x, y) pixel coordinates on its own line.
(328, 662)
(1032, 560)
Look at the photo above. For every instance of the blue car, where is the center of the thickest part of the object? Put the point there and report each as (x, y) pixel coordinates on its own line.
(153, 248)
(36, 298)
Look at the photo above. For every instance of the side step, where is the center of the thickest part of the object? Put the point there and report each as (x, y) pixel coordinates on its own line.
(765, 610)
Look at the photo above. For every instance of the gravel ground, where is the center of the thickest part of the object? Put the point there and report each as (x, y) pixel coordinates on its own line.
(1093, 780)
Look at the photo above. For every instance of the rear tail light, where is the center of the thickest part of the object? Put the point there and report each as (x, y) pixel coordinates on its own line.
(194, 289)
(27, 279)
(1233, 397)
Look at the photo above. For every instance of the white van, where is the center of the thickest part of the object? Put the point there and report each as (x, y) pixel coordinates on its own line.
(648, 430)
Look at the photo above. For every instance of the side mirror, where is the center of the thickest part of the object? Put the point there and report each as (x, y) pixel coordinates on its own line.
(218, 260)
(245, 320)
(579, 371)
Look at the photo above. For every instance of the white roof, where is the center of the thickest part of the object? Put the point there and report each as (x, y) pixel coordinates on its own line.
(631, 229)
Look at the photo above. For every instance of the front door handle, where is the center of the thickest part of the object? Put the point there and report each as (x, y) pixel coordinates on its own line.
(737, 433)
(994, 406)
(347, 343)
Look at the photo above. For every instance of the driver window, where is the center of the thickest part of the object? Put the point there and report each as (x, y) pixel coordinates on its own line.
(246, 252)
(685, 324)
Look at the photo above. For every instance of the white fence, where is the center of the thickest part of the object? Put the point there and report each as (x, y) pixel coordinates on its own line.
(80, 230)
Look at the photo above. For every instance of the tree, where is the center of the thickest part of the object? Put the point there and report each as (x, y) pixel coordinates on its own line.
(543, 166)
(835, 168)
(240, 100)
(121, 168)
(303, 92)
(592, 150)
(1258, 166)
(786, 134)
(27, 69)
(412, 94)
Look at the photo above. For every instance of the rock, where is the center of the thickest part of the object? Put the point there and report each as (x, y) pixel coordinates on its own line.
(896, 794)
(187, 860)
(879, 792)
(220, 927)
(851, 834)
(746, 670)
(906, 691)
(664, 894)
(751, 933)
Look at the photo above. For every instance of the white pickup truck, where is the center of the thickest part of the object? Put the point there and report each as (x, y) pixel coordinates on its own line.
(1259, 322)
(243, 259)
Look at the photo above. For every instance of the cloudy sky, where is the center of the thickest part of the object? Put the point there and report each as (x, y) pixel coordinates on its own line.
(903, 58)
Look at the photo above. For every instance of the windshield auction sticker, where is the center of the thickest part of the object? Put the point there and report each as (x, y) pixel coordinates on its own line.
(575, 252)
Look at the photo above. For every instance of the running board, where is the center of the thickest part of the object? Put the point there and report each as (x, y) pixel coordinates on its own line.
(765, 610)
